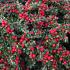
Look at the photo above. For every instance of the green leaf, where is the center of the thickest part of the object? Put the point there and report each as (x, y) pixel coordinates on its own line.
(28, 35)
(56, 56)
(35, 11)
(21, 1)
(1, 40)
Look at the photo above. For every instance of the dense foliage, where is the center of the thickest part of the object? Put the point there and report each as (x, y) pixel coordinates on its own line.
(34, 35)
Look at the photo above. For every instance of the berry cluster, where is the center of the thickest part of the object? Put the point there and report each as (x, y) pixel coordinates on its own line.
(35, 35)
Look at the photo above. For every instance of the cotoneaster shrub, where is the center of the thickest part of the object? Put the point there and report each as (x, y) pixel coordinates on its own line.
(35, 35)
